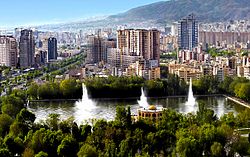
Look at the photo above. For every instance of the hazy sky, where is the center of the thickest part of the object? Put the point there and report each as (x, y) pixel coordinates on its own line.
(32, 12)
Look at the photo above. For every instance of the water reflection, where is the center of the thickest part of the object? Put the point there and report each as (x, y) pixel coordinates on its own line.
(105, 109)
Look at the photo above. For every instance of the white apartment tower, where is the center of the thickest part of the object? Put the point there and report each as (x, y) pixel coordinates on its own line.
(8, 51)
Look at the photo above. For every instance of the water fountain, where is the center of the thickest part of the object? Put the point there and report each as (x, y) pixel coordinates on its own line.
(143, 100)
(190, 104)
(85, 106)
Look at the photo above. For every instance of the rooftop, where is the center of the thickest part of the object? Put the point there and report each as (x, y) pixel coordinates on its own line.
(152, 109)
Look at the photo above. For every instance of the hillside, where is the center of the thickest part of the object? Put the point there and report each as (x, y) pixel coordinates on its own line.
(160, 13)
(206, 11)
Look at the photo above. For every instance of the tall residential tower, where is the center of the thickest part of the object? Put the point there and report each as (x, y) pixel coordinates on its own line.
(97, 48)
(52, 48)
(27, 48)
(188, 33)
(139, 42)
(8, 51)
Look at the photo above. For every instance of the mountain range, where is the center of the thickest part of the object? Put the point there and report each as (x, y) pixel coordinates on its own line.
(166, 12)
(173, 10)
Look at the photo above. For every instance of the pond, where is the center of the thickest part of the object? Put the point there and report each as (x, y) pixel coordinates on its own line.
(86, 109)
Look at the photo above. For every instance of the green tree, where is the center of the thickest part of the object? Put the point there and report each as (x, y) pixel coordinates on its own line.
(205, 115)
(68, 147)
(41, 154)
(12, 105)
(229, 119)
(19, 93)
(98, 134)
(85, 131)
(123, 116)
(32, 91)
(126, 148)
(51, 141)
(242, 90)
(217, 149)
(224, 85)
(243, 119)
(15, 145)
(236, 81)
(188, 147)
(53, 121)
(68, 88)
(5, 122)
(88, 151)
(26, 116)
(207, 134)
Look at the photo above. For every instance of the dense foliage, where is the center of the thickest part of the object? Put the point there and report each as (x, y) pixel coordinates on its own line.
(215, 52)
(66, 89)
(64, 63)
(125, 87)
(202, 134)
(111, 87)
(206, 85)
(114, 87)
(238, 87)
(131, 87)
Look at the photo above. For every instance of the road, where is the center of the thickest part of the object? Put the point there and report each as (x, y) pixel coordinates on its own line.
(23, 85)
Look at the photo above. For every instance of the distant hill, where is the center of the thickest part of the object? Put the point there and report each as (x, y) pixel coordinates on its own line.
(173, 10)
(161, 13)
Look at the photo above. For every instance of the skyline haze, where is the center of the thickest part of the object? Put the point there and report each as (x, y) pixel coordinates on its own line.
(34, 12)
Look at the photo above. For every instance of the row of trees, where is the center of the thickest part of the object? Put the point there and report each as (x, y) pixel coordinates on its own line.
(175, 134)
(111, 87)
(124, 87)
(64, 63)
(238, 86)
(206, 85)
(66, 89)
(130, 87)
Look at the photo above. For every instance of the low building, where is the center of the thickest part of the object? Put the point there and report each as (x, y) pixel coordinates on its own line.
(76, 74)
(59, 78)
(154, 73)
(240, 71)
(247, 72)
(187, 73)
(152, 112)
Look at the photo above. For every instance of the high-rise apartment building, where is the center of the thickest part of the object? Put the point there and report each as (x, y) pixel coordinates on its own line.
(52, 48)
(8, 51)
(139, 42)
(27, 48)
(188, 33)
(41, 57)
(97, 48)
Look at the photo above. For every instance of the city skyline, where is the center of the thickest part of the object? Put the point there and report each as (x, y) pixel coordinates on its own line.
(34, 12)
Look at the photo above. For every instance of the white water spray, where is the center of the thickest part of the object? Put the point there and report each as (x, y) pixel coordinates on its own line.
(143, 100)
(190, 104)
(84, 106)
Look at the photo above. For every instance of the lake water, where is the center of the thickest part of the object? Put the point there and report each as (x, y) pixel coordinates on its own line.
(105, 109)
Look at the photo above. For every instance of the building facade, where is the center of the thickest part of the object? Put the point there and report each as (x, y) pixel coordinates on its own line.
(214, 38)
(188, 33)
(27, 48)
(139, 42)
(8, 51)
(52, 48)
(97, 48)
